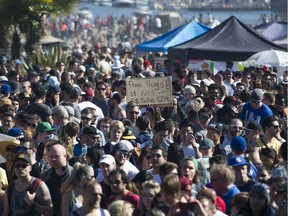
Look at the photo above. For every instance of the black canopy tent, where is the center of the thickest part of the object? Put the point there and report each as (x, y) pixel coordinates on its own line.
(231, 40)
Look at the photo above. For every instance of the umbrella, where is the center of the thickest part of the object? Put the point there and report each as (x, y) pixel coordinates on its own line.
(272, 57)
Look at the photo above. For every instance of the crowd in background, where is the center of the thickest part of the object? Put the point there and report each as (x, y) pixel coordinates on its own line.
(219, 149)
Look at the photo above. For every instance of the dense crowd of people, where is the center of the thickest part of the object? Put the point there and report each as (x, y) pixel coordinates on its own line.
(71, 143)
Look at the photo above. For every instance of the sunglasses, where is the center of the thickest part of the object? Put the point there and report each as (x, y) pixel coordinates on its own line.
(101, 89)
(85, 118)
(275, 126)
(95, 137)
(256, 102)
(117, 182)
(153, 155)
(23, 148)
(124, 153)
(22, 166)
(204, 117)
(236, 127)
(12, 149)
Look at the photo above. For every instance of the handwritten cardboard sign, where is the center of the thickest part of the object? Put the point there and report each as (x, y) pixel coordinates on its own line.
(150, 91)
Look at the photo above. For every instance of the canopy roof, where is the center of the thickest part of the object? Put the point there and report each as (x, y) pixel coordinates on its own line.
(231, 40)
(273, 31)
(174, 37)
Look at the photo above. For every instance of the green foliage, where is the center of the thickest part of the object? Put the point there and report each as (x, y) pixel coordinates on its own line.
(26, 16)
(46, 58)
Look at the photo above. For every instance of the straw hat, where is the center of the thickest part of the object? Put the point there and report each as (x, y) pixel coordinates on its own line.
(4, 144)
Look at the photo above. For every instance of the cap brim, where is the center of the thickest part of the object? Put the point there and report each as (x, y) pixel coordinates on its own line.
(129, 137)
(239, 164)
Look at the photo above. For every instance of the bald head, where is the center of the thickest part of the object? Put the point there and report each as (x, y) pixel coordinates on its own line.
(57, 156)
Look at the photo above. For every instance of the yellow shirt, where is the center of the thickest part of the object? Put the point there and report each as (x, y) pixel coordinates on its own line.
(274, 144)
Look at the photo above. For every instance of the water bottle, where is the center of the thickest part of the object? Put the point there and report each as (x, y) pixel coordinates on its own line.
(84, 149)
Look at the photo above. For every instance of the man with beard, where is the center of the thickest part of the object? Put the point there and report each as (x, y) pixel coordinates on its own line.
(119, 182)
(121, 153)
(235, 129)
(92, 193)
(212, 101)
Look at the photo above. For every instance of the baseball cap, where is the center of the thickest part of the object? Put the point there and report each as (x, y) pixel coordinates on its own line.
(215, 127)
(206, 82)
(5, 102)
(237, 161)
(146, 63)
(120, 146)
(206, 143)
(6, 88)
(256, 95)
(24, 158)
(88, 93)
(75, 92)
(16, 132)
(107, 159)
(81, 68)
(90, 130)
(238, 143)
(3, 79)
(253, 126)
(44, 127)
(128, 134)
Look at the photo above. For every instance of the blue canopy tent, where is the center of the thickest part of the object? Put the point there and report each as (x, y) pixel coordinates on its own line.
(173, 38)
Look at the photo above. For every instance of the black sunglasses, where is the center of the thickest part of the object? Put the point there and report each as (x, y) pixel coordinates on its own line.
(22, 166)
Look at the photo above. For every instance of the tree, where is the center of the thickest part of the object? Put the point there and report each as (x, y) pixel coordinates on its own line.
(25, 19)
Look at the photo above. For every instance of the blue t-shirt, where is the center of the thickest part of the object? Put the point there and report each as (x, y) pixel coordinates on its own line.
(249, 114)
(227, 197)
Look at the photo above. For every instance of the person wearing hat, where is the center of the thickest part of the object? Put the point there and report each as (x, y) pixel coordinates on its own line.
(147, 71)
(206, 147)
(5, 90)
(90, 137)
(255, 110)
(24, 100)
(87, 103)
(259, 201)
(34, 197)
(238, 146)
(38, 106)
(43, 131)
(121, 153)
(214, 132)
(16, 132)
(241, 168)
(28, 147)
(107, 164)
(252, 133)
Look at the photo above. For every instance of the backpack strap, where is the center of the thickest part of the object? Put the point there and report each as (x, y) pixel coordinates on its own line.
(33, 187)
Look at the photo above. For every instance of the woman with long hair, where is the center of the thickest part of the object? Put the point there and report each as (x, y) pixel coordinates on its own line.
(259, 202)
(71, 190)
(150, 193)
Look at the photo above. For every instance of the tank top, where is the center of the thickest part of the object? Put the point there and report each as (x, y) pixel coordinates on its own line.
(18, 205)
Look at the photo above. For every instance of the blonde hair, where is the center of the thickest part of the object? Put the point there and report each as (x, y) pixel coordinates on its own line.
(224, 172)
(79, 170)
(152, 185)
(120, 208)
